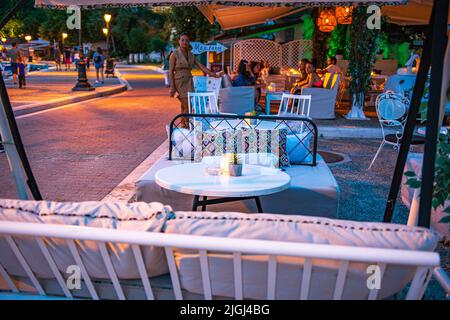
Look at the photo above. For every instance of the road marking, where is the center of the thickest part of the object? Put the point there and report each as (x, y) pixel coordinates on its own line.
(125, 190)
(64, 107)
(123, 80)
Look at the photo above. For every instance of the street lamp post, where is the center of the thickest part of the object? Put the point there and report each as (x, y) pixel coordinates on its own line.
(64, 36)
(28, 39)
(106, 30)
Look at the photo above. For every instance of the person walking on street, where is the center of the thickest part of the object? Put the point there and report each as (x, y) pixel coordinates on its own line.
(21, 66)
(57, 58)
(99, 62)
(14, 54)
(67, 58)
(75, 57)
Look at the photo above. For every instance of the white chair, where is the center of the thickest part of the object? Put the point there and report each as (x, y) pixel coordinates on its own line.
(202, 103)
(295, 104)
(324, 98)
(391, 111)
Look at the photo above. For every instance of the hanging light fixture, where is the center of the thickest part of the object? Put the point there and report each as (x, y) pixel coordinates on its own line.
(344, 15)
(326, 21)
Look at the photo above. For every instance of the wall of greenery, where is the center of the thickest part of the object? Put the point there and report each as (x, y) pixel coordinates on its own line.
(362, 50)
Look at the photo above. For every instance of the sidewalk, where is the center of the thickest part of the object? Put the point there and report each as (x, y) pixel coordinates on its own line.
(51, 88)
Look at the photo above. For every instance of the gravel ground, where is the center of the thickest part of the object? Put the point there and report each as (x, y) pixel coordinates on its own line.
(364, 193)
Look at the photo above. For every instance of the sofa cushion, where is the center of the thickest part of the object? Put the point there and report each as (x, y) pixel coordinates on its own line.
(182, 143)
(143, 217)
(299, 229)
(216, 143)
(266, 141)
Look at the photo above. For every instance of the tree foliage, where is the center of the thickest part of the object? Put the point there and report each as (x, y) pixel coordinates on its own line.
(189, 20)
(363, 47)
(337, 40)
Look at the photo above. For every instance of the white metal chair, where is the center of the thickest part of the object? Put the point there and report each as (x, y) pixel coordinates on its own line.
(295, 104)
(391, 111)
(203, 103)
(423, 263)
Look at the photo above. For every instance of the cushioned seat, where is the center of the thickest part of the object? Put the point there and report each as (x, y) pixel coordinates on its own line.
(154, 223)
(313, 191)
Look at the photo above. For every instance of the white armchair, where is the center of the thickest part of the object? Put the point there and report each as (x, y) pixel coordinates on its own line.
(324, 99)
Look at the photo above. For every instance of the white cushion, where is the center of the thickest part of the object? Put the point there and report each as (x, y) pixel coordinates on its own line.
(182, 143)
(125, 216)
(299, 229)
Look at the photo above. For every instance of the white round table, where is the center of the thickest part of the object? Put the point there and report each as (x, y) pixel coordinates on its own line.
(191, 178)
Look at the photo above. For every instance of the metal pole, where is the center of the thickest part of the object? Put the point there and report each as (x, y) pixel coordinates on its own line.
(11, 135)
(439, 45)
(15, 150)
(12, 155)
(419, 87)
(80, 34)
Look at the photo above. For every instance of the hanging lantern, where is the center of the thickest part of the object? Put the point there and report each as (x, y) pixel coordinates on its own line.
(326, 21)
(344, 15)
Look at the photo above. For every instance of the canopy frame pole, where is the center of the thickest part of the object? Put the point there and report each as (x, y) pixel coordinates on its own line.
(14, 148)
(439, 46)
(433, 55)
(408, 131)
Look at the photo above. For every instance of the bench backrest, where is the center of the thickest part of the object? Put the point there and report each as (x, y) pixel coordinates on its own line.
(301, 134)
(203, 246)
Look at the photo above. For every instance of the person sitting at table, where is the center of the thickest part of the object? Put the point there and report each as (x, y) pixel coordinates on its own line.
(302, 70)
(331, 66)
(312, 80)
(245, 75)
(264, 74)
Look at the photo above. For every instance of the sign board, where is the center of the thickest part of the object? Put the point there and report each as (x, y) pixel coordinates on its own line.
(198, 48)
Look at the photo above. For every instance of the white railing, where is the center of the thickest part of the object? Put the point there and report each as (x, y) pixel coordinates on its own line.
(237, 248)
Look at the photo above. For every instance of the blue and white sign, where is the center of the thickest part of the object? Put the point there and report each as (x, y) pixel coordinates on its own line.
(198, 48)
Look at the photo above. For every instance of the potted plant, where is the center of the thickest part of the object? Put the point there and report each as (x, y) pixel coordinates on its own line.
(235, 165)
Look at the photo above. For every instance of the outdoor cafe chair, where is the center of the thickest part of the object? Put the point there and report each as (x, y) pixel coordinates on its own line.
(202, 103)
(391, 111)
(295, 104)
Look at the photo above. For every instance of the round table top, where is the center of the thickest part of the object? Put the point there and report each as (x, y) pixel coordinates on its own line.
(191, 178)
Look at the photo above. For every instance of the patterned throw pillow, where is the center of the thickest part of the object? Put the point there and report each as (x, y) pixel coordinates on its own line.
(266, 141)
(216, 143)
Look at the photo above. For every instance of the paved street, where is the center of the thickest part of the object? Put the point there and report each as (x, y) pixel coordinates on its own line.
(49, 85)
(82, 151)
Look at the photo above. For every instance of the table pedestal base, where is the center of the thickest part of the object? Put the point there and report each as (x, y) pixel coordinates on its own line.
(203, 203)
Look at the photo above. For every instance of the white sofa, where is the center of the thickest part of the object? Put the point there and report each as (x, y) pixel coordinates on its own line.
(147, 251)
(313, 191)
(323, 100)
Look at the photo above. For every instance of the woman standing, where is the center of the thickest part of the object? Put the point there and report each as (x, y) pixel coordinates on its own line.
(99, 62)
(181, 82)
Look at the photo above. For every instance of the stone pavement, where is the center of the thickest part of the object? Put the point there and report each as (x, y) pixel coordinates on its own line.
(51, 85)
(82, 151)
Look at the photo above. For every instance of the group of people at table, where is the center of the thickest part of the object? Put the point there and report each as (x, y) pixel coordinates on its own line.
(252, 73)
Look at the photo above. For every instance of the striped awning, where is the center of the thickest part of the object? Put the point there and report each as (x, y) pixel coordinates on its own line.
(260, 3)
(236, 14)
